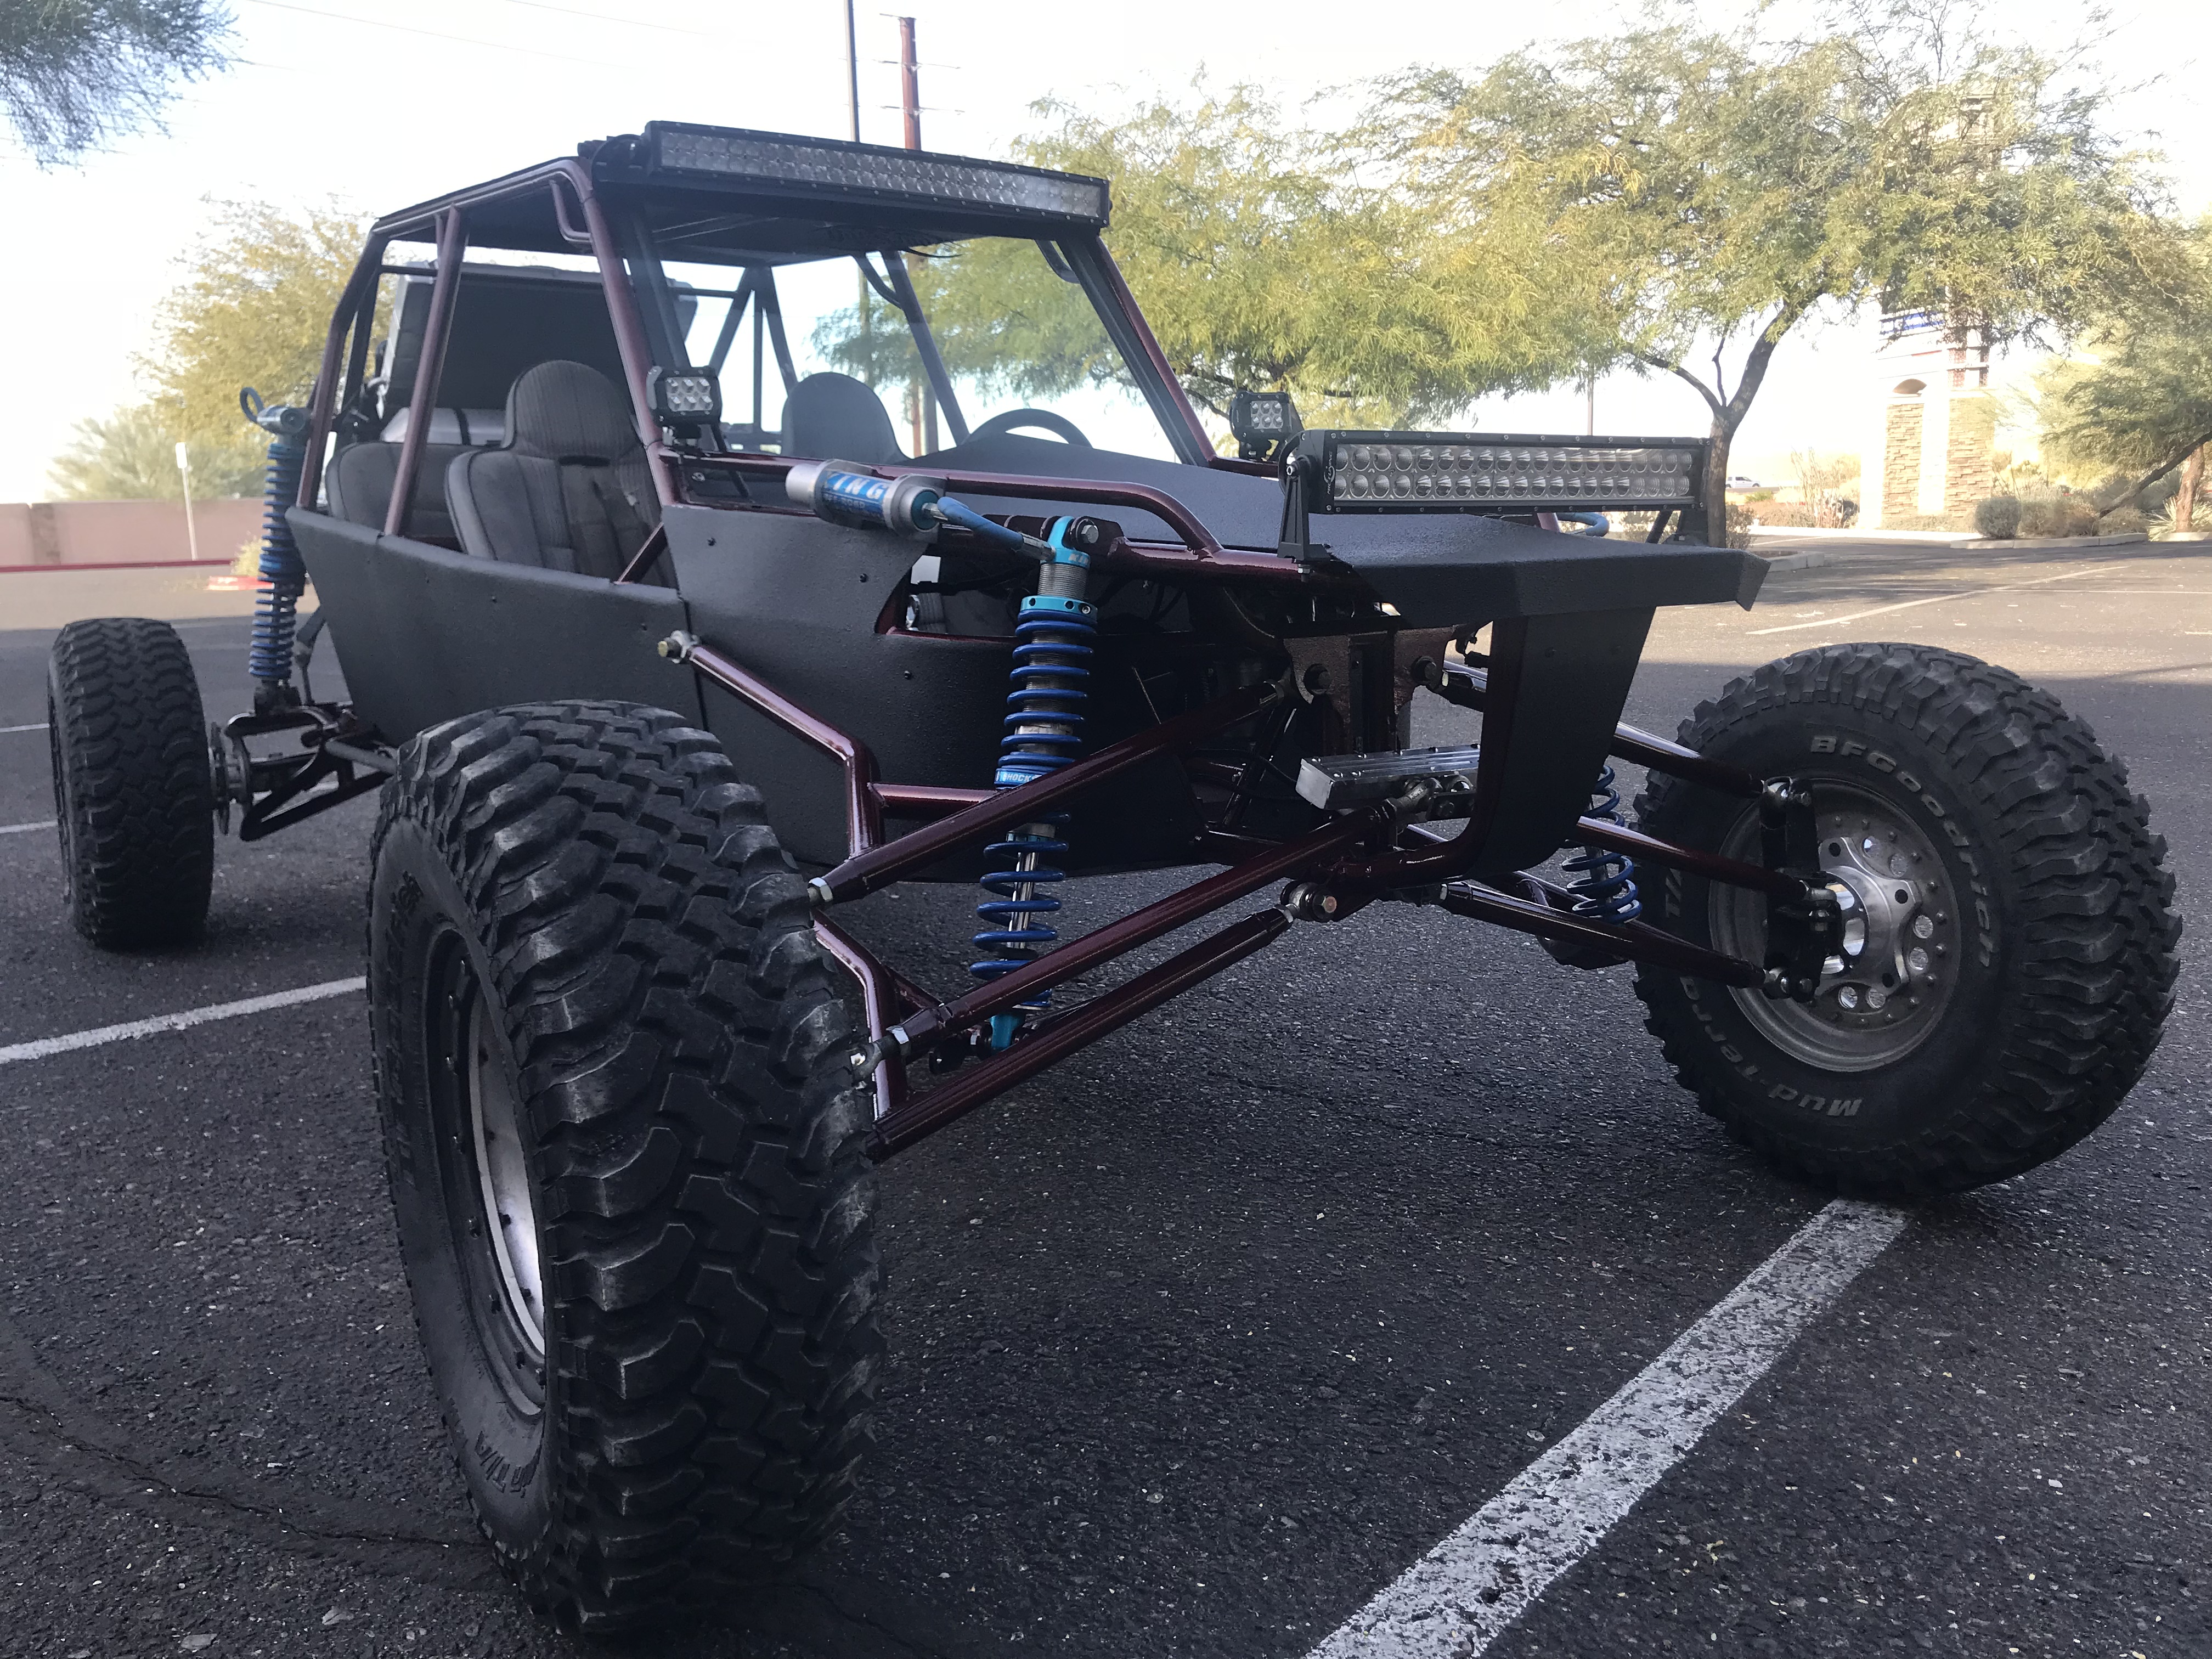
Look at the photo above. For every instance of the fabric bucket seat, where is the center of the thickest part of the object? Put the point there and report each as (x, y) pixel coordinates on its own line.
(569, 489)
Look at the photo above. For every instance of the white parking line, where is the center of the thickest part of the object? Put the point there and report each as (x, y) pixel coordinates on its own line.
(142, 1028)
(25, 828)
(5, 730)
(1940, 598)
(1459, 1598)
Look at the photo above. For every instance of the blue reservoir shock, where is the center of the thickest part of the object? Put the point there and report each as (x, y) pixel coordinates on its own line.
(1045, 702)
(284, 573)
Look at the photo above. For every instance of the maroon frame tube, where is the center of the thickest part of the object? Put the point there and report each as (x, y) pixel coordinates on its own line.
(445, 285)
(1054, 1039)
(879, 865)
(1143, 331)
(927, 1026)
(1637, 941)
(1185, 523)
(629, 329)
(863, 815)
(655, 545)
(322, 407)
(1711, 865)
(918, 798)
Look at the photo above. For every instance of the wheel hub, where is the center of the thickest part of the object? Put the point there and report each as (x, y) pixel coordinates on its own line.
(1882, 993)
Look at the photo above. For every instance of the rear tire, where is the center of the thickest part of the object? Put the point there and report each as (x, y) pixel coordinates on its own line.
(2015, 956)
(625, 1155)
(133, 802)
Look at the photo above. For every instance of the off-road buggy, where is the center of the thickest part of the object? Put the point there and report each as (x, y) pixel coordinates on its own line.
(652, 691)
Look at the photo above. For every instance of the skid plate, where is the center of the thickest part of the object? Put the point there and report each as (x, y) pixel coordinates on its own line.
(1333, 782)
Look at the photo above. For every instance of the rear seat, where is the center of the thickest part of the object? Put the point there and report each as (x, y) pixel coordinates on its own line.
(360, 481)
(361, 476)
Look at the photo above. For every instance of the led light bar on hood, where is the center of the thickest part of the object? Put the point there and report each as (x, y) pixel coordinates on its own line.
(1507, 473)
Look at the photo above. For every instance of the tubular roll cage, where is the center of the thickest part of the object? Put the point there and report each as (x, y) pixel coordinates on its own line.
(1338, 866)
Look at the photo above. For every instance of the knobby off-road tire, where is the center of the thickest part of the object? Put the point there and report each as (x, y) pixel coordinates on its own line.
(133, 802)
(2016, 934)
(601, 1018)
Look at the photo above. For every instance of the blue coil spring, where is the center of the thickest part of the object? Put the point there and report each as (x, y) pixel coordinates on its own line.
(284, 573)
(1050, 686)
(1603, 881)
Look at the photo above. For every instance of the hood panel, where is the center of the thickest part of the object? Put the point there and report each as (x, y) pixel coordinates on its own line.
(1439, 570)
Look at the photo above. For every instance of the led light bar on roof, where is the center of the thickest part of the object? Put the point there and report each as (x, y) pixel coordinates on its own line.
(1410, 472)
(780, 159)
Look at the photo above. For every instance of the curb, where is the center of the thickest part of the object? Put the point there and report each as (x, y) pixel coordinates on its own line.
(2025, 542)
(1811, 561)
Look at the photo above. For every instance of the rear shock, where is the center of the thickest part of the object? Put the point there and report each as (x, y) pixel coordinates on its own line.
(1045, 713)
(1604, 881)
(284, 573)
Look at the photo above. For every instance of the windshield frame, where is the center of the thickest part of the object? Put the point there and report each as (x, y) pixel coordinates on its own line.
(1081, 257)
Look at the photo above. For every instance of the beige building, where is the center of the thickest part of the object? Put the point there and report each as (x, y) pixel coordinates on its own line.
(1929, 453)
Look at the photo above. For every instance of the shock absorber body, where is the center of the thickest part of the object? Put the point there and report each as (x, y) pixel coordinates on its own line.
(1044, 733)
(1045, 703)
(284, 573)
(1604, 881)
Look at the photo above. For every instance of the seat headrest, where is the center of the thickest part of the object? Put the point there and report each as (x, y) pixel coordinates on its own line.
(565, 411)
(835, 416)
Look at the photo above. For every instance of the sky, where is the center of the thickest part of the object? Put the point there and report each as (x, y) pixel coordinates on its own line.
(374, 104)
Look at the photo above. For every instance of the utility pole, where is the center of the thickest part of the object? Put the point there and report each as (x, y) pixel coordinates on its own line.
(923, 404)
(185, 473)
(853, 68)
(909, 84)
(852, 89)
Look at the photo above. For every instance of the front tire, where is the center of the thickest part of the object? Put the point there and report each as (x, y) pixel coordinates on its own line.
(133, 802)
(625, 1158)
(2009, 946)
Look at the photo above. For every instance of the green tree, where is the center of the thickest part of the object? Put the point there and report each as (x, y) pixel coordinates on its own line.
(1730, 187)
(133, 456)
(1262, 262)
(253, 310)
(2141, 401)
(74, 72)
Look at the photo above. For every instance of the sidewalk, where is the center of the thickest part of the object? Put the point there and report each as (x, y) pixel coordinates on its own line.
(50, 598)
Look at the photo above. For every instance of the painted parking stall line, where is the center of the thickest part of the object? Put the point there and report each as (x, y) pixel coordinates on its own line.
(25, 828)
(1459, 1598)
(6, 731)
(44, 1047)
(1938, 599)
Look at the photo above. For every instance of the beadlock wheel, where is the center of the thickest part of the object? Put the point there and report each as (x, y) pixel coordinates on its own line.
(2008, 960)
(1885, 992)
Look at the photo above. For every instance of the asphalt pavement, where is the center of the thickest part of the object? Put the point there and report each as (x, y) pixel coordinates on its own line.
(1197, 1342)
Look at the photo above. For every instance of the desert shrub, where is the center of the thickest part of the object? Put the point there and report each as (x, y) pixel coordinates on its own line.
(1793, 515)
(1998, 518)
(1739, 525)
(2056, 515)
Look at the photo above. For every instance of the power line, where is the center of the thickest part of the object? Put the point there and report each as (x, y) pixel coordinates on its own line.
(435, 34)
(628, 22)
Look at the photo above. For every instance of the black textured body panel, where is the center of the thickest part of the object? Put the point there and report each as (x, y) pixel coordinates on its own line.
(1441, 570)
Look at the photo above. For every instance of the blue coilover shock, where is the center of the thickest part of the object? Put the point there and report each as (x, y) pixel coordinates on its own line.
(1604, 881)
(284, 573)
(1044, 733)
